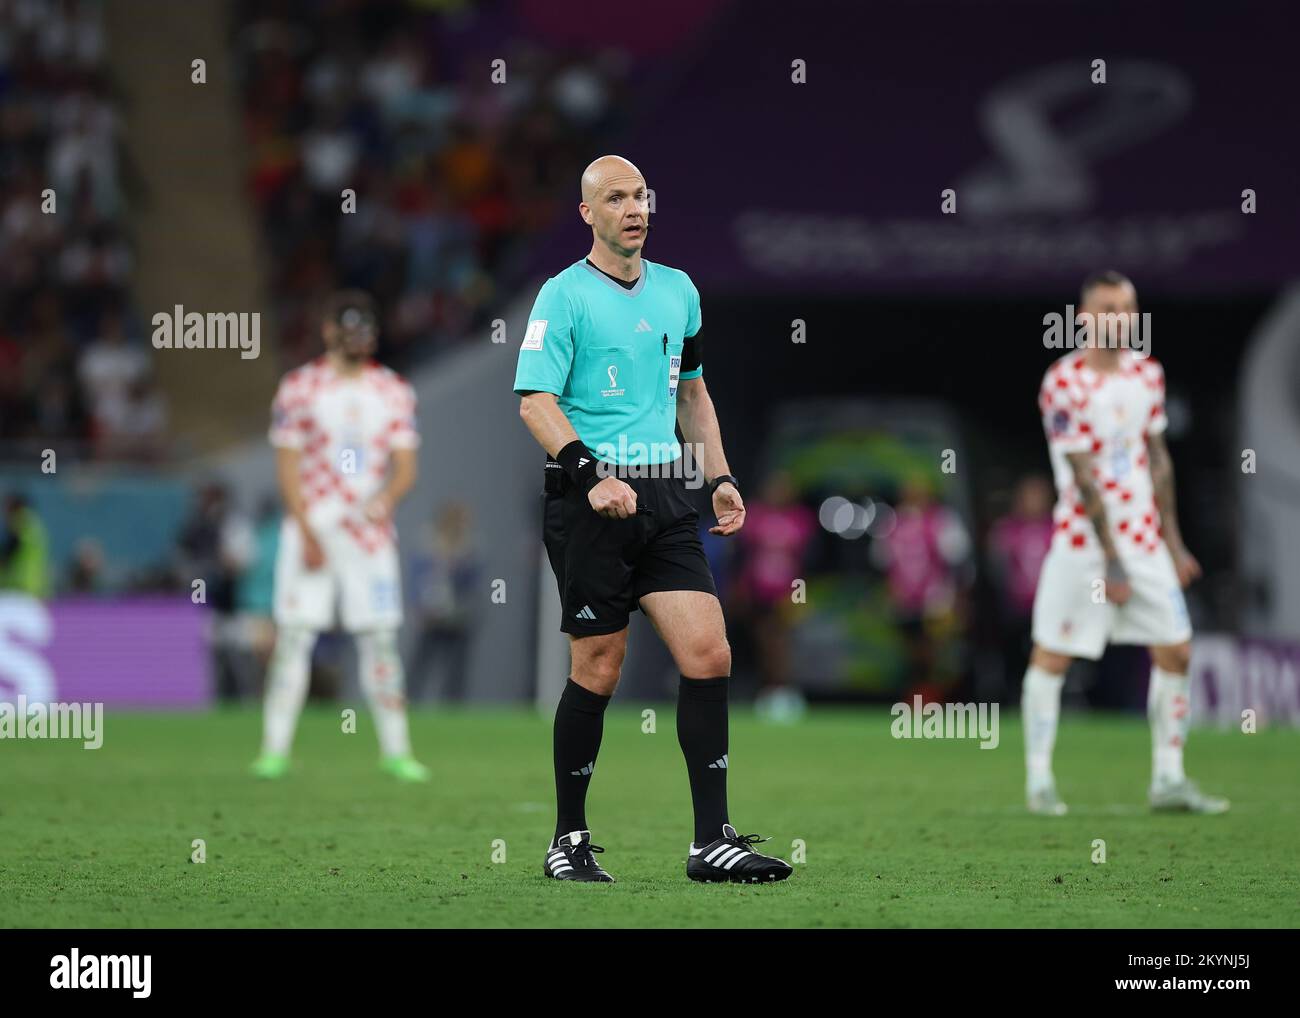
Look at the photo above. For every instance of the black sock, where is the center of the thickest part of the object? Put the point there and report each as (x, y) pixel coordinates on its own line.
(579, 723)
(702, 733)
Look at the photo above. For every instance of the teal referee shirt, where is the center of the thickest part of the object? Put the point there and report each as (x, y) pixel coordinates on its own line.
(614, 357)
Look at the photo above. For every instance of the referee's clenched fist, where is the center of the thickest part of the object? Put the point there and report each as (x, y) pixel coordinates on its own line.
(613, 499)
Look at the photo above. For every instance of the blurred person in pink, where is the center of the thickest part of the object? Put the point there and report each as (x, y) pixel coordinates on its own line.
(1017, 545)
(777, 532)
(923, 558)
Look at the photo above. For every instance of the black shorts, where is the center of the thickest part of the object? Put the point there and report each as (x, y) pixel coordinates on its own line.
(603, 567)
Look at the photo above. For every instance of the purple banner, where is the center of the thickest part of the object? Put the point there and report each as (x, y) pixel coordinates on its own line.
(129, 652)
(1231, 675)
(954, 146)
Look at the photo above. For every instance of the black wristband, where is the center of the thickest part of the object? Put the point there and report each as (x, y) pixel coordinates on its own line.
(579, 463)
(720, 480)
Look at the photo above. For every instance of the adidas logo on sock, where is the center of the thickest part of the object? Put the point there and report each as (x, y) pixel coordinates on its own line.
(585, 770)
(586, 613)
(643, 326)
(720, 764)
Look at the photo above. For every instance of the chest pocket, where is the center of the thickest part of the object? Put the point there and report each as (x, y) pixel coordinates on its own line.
(611, 376)
(672, 370)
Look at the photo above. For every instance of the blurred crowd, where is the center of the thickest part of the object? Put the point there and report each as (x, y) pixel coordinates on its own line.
(932, 597)
(73, 367)
(450, 173)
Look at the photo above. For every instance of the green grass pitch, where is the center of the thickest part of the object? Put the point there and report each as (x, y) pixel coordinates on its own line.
(896, 833)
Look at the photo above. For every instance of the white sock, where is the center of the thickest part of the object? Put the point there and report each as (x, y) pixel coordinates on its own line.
(383, 682)
(1040, 709)
(1168, 710)
(286, 687)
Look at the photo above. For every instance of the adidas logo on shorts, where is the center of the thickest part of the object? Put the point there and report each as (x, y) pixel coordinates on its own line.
(586, 613)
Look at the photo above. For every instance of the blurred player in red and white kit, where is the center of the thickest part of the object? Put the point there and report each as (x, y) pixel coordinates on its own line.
(343, 427)
(1116, 534)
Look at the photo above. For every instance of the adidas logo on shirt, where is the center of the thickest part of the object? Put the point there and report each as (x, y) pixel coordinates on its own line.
(586, 613)
(719, 765)
(643, 326)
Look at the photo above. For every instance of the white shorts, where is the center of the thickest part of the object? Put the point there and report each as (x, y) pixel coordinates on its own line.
(366, 584)
(1068, 619)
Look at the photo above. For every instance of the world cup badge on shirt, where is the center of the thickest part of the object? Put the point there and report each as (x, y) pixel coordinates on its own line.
(613, 390)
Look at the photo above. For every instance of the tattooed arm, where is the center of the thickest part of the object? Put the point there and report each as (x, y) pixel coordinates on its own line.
(1162, 480)
(1117, 585)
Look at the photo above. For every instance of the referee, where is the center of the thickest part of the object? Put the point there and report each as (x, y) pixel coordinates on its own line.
(609, 366)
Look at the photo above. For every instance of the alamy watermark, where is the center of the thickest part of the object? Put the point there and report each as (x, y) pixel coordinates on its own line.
(651, 459)
(920, 720)
(23, 720)
(1126, 330)
(77, 971)
(192, 330)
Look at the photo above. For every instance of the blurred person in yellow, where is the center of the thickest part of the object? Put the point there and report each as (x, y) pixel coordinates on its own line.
(24, 550)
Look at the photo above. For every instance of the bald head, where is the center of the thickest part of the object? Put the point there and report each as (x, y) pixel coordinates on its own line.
(616, 205)
(609, 171)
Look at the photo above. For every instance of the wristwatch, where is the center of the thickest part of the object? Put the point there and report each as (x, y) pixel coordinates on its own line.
(722, 479)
